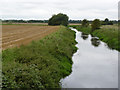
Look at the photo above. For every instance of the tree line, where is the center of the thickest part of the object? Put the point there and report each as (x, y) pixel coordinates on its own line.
(110, 22)
(25, 21)
(96, 23)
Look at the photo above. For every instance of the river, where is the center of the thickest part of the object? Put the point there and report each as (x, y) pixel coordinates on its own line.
(95, 65)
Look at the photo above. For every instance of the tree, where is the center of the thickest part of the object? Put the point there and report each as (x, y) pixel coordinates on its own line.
(59, 19)
(96, 24)
(107, 22)
(85, 23)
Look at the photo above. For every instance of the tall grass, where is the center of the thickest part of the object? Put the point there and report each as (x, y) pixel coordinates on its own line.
(86, 30)
(107, 33)
(41, 64)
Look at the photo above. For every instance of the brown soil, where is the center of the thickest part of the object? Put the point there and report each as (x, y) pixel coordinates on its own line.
(16, 35)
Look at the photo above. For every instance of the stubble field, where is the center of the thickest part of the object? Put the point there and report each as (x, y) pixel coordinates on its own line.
(16, 35)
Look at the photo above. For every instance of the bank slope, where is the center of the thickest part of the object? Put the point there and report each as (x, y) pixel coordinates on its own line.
(108, 34)
(42, 63)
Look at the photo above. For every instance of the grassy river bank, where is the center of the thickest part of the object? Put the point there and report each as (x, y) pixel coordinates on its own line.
(40, 64)
(107, 33)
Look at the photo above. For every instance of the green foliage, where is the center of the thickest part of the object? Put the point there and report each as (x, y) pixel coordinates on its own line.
(42, 63)
(96, 24)
(107, 33)
(86, 30)
(85, 23)
(74, 26)
(107, 22)
(24, 24)
(59, 19)
(25, 21)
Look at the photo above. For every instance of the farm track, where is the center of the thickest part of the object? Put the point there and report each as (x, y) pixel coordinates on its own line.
(15, 35)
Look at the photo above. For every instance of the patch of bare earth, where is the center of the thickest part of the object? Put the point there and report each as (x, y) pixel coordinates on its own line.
(16, 35)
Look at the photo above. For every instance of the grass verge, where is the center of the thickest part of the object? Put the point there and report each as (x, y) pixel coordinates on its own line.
(107, 33)
(42, 63)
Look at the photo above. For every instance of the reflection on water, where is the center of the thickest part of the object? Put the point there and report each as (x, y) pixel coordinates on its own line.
(95, 41)
(84, 36)
(93, 67)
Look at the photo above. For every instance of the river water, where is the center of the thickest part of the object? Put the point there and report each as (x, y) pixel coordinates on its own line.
(94, 64)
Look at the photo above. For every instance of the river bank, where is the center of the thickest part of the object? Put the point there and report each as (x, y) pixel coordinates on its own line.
(40, 64)
(94, 64)
(108, 34)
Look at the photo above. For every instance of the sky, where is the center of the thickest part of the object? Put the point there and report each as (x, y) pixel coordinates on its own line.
(44, 9)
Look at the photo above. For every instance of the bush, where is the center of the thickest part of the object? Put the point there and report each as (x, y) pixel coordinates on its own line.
(96, 24)
(85, 23)
(59, 19)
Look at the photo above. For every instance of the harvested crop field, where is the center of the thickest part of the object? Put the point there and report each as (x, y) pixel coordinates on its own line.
(16, 35)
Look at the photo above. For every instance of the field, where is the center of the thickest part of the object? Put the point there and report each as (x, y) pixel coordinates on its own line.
(40, 64)
(74, 24)
(47, 57)
(16, 35)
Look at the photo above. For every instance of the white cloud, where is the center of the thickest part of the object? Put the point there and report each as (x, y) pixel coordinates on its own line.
(43, 9)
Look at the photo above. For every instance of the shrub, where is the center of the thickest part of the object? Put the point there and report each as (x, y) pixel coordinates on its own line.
(85, 23)
(96, 24)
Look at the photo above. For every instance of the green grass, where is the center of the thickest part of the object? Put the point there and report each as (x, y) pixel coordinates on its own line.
(107, 33)
(74, 26)
(86, 30)
(42, 63)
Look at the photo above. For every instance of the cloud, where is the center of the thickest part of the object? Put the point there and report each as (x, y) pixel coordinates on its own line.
(44, 9)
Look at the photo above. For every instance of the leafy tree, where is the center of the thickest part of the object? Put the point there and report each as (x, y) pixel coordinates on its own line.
(59, 19)
(85, 23)
(96, 24)
(107, 22)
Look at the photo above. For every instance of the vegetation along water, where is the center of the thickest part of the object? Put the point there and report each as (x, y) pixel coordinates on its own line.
(106, 33)
(40, 64)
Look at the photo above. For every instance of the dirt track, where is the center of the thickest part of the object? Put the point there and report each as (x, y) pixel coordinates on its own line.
(16, 35)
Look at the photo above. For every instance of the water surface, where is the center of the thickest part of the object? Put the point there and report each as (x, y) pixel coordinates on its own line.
(94, 64)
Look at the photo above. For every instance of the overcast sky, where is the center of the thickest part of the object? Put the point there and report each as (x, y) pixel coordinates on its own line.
(44, 9)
